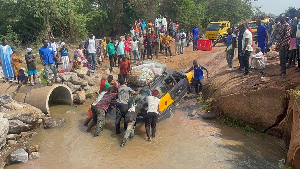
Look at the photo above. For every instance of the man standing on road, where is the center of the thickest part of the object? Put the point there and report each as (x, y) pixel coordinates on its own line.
(91, 50)
(47, 54)
(246, 47)
(198, 76)
(262, 35)
(122, 104)
(283, 43)
(195, 37)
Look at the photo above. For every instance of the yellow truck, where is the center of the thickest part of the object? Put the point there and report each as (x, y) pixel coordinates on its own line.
(215, 29)
(253, 26)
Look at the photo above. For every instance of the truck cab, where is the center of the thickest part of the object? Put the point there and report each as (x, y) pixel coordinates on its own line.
(214, 29)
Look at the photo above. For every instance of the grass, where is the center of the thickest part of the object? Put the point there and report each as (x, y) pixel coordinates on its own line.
(205, 104)
(283, 166)
(234, 122)
(296, 93)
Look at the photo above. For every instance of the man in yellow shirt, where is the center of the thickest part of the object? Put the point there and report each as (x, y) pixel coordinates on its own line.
(167, 39)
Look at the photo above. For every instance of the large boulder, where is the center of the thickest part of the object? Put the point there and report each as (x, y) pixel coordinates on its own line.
(50, 122)
(4, 126)
(21, 116)
(66, 76)
(19, 156)
(73, 87)
(79, 97)
(250, 99)
(75, 80)
(82, 72)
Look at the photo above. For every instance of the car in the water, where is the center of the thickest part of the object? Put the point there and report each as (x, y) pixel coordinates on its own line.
(172, 86)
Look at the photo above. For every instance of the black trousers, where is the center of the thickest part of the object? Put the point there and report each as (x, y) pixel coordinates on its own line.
(197, 85)
(282, 57)
(240, 57)
(151, 120)
(246, 61)
(121, 112)
(149, 52)
(111, 60)
(168, 49)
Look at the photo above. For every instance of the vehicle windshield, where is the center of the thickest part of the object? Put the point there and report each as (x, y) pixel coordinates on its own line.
(213, 27)
(252, 25)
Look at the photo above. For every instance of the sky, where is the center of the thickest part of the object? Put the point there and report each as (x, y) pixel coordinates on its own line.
(276, 6)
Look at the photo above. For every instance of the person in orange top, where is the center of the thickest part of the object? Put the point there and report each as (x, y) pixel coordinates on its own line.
(125, 68)
(167, 39)
(16, 63)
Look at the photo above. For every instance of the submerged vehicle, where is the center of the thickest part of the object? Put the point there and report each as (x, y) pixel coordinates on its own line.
(215, 29)
(172, 86)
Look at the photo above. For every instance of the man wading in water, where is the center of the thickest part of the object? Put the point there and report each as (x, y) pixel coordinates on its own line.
(198, 76)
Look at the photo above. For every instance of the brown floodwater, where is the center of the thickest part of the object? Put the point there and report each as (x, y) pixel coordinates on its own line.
(181, 142)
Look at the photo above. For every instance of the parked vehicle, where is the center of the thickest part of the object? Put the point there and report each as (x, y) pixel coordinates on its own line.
(215, 29)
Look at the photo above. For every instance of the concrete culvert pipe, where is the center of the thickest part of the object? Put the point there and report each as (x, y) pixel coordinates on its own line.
(41, 96)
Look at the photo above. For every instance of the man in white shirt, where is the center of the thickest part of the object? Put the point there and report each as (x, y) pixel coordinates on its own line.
(182, 40)
(246, 47)
(152, 114)
(91, 50)
(54, 46)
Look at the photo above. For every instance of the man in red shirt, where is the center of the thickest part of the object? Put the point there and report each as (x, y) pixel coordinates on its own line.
(125, 68)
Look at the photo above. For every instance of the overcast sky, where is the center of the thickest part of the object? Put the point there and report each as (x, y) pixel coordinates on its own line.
(276, 6)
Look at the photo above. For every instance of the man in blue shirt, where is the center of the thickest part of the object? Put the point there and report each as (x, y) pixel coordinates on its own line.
(262, 35)
(195, 37)
(198, 76)
(47, 54)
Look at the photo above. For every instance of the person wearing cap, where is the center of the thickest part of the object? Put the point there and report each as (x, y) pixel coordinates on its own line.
(152, 114)
(47, 55)
(30, 59)
(64, 55)
(198, 75)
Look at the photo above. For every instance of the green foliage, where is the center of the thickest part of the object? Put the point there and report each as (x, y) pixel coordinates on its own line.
(88, 95)
(71, 20)
(296, 93)
(283, 166)
(205, 105)
(11, 36)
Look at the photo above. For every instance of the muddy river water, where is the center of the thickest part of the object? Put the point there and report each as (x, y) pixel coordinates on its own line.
(181, 142)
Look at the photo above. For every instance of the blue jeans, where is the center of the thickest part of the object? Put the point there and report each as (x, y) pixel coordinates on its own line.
(229, 58)
(181, 46)
(47, 69)
(195, 44)
(136, 55)
(92, 60)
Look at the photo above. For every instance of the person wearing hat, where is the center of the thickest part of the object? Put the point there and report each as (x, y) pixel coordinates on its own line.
(152, 114)
(30, 59)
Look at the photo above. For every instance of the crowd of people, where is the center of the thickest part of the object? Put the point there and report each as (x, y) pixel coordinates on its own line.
(283, 33)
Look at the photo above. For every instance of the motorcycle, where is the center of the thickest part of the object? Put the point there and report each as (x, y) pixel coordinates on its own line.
(221, 39)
